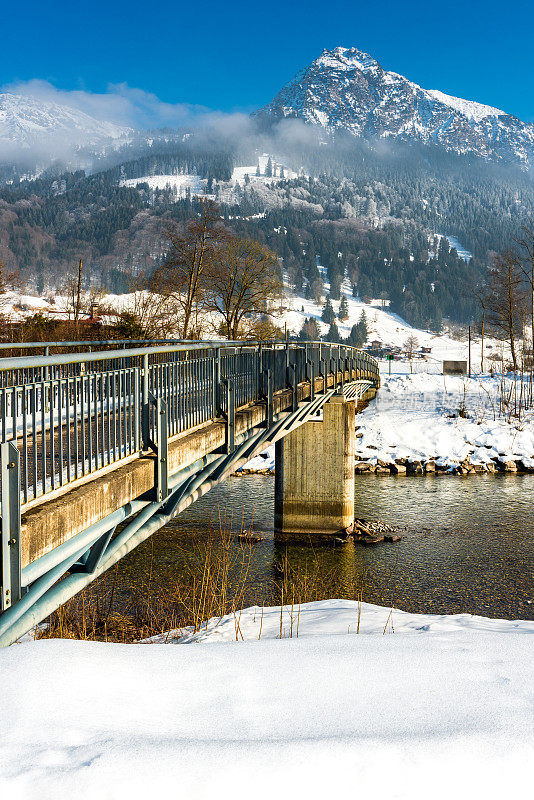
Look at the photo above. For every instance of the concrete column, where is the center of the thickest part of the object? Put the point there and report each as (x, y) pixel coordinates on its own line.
(314, 479)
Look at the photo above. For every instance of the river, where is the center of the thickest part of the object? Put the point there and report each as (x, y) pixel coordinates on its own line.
(468, 544)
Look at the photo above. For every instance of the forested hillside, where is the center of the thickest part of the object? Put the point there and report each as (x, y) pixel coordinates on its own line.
(367, 213)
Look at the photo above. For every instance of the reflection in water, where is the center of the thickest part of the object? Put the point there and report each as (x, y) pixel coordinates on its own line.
(468, 544)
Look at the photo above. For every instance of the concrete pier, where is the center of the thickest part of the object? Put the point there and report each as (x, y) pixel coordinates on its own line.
(314, 482)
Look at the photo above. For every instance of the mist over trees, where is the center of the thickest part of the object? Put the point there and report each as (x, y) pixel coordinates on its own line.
(364, 213)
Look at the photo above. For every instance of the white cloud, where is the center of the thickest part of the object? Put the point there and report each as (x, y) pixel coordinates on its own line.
(121, 104)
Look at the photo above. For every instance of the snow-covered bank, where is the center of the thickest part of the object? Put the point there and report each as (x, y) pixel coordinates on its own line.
(418, 421)
(444, 713)
(428, 422)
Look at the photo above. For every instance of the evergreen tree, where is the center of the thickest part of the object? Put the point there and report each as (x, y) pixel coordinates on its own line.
(328, 315)
(269, 168)
(333, 334)
(364, 330)
(343, 309)
(258, 171)
(310, 331)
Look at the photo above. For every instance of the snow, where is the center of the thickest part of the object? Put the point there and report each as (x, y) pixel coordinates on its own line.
(469, 108)
(26, 121)
(178, 184)
(384, 326)
(416, 417)
(239, 173)
(462, 251)
(441, 708)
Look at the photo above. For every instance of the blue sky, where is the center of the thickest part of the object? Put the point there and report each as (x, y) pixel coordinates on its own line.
(236, 56)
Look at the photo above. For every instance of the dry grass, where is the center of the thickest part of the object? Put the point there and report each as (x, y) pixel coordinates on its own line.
(220, 573)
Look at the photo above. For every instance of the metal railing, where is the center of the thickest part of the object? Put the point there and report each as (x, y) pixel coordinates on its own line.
(73, 414)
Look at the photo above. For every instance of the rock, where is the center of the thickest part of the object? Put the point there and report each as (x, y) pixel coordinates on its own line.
(372, 467)
(398, 469)
(509, 466)
(430, 466)
(382, 471)
(369, 540)
(402, 461)
(392, 537)
(382, 463)
(479, 468)
(414, 468)
(490, 467)
(361, 466)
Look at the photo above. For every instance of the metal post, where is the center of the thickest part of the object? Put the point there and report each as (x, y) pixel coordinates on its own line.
(162, 489)
(268, 379)
(230, 415)
(10, 541)
(145, 409)
(47, 369)
(216, 380)
(310, 376)
(292, 383)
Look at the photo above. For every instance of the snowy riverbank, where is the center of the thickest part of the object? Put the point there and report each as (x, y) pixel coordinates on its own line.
(440, 708)
(427, 422)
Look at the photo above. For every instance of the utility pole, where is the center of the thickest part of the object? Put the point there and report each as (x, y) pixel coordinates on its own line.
(469, 369)
(78, 291)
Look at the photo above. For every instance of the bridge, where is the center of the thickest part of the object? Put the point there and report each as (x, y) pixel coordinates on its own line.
(101, 448)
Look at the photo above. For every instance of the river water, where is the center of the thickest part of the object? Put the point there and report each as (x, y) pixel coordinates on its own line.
(468, 544)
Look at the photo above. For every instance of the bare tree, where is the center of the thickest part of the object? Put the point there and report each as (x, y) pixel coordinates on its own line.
(505, 301)
(184, 274)
(244, 284)
(146, 315)
(8, 279)
(526, 261)
(410, 345)
(481, 297)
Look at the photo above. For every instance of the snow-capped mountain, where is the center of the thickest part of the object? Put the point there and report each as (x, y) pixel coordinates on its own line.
(28, 124)
(346, 89)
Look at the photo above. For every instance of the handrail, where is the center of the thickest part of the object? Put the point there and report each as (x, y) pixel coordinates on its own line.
(88, 342)
(20, 362)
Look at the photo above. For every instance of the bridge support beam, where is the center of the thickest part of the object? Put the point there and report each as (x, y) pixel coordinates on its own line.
(314, 482)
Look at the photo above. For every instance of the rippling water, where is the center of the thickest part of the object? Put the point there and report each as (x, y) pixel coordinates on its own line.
(468, 544)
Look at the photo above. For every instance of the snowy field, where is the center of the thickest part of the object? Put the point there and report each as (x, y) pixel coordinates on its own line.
(178, 184)
(438, 707)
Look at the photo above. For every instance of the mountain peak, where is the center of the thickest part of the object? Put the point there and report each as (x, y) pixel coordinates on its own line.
(31, 125)
(347, 89)
(347, 58)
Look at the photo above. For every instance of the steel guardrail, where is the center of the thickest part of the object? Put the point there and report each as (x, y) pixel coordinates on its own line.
(74, 414)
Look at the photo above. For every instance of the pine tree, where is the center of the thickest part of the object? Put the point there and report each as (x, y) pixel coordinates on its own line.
(269, 168)
(310, 331)
(343, 309)
(328, 315)
(258, 171)
(333, 334)
(364, 330)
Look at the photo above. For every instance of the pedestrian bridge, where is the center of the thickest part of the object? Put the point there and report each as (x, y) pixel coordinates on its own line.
(100, 449)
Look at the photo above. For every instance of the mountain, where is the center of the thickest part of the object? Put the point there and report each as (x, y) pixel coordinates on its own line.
(348, 90)
(36, 128)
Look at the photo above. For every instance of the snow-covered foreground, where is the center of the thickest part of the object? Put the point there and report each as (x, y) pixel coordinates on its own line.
(446, 712)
